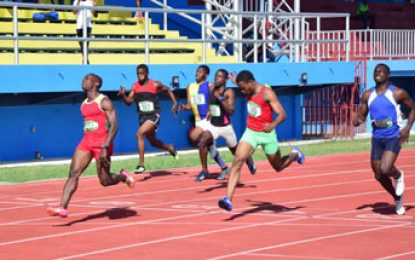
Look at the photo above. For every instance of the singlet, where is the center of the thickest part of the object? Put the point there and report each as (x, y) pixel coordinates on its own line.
(199, 99)
(259, 111)
(146, 98)
(95, 120)
(219, 116)
(385, 113)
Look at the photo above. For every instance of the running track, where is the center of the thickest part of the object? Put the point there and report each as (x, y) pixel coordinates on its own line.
(328, 208)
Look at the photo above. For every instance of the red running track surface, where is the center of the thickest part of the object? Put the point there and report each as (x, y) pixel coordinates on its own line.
(330, 207)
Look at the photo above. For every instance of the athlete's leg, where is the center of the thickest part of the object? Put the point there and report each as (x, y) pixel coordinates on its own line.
(280, 163)
(80, 161)
(242, 153)
(206, 139)
(106, 178)
(383, 179)
(249, 162)
(152, 138)
(146, 127)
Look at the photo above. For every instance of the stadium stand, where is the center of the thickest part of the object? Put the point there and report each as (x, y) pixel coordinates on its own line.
(110, 25)
(390, 15)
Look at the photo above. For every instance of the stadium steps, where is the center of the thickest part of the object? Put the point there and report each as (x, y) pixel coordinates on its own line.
(111, 25)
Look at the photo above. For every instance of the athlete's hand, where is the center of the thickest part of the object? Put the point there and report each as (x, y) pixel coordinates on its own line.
(269, 127)
(232, 77)
(103, 158)
(182, 107)
(175, 109)
(404, 135)
(122, 91)
(357, 121)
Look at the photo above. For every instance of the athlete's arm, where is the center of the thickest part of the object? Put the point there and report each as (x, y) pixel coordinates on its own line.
(163, 88)
(228, 103)
(402, 97)
(109, 110)
(128, 99)
(188, 106)
(360, 117)
(271, 98)
(94, 12)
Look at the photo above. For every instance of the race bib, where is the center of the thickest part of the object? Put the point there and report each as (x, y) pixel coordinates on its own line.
(214, 110)
(198, 99)
(90, 126)
(146, 106)
(385, 123)
(253, 109)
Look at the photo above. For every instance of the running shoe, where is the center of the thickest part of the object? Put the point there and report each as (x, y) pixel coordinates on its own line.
(251, 166)
(139, 169)
(225, 204)
(202, 175)
(57, 212)
(301, 157)
(399, 185)
(399, 207)
(129, 180)
(223, 173)
(174, 153)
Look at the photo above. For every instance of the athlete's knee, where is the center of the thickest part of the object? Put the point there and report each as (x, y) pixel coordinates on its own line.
(105, 182)
(206, 139)
(74, 173)
(386, 169)
(238, 162)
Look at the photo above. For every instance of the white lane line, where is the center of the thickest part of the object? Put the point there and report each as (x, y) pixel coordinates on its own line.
(396, 255)
(305, 241)
(174, 238)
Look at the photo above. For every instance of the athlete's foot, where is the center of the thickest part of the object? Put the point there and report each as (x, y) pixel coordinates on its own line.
(173, 152)
(223, 173)
(129, 180)
(139, 169)
(202, 175)
(57, 212)
(399, 207)
(251, 166)
(399, 185)
(225, 204)
(301, 158)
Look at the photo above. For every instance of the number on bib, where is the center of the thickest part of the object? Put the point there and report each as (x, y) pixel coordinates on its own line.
(198, 99)
(146, 106)
(214, 110)
(253, 109)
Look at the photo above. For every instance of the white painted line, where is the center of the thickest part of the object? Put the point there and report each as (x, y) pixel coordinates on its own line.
(397, 255)
(304, 241)
(135, 245)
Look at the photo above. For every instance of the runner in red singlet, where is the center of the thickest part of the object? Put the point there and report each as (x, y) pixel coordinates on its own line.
(144, 93)
(262, 103)
(100, 128)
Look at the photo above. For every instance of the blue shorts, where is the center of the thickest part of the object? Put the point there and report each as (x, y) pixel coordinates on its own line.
(380, 145)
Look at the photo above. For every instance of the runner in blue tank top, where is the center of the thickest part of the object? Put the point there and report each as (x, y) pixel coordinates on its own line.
(382, 103)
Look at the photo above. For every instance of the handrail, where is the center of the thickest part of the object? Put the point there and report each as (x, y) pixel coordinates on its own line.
(226, 38)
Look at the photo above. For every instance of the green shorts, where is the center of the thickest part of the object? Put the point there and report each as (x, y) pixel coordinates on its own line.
(268, 141)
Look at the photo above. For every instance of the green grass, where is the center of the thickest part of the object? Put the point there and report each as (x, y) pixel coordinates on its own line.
(31, 173)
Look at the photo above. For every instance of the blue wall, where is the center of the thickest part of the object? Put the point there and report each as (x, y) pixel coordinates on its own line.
(67, 78)
(55, 129)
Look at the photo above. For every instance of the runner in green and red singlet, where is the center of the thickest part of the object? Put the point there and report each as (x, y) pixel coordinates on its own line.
(262, 102)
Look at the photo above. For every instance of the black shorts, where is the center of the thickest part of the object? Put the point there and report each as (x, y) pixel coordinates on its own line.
(380, 145)
(155, 118)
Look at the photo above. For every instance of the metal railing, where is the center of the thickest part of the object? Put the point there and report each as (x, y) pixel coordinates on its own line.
(234, 42)
(364, 45)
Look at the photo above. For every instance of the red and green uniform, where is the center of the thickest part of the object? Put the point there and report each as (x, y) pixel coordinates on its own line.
(259, 115)
(95, 127)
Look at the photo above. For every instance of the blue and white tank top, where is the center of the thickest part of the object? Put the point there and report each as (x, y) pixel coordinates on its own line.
(385, 113)
(199, 99)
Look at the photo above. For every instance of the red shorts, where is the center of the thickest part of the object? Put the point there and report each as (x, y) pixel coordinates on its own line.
(94, 148)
